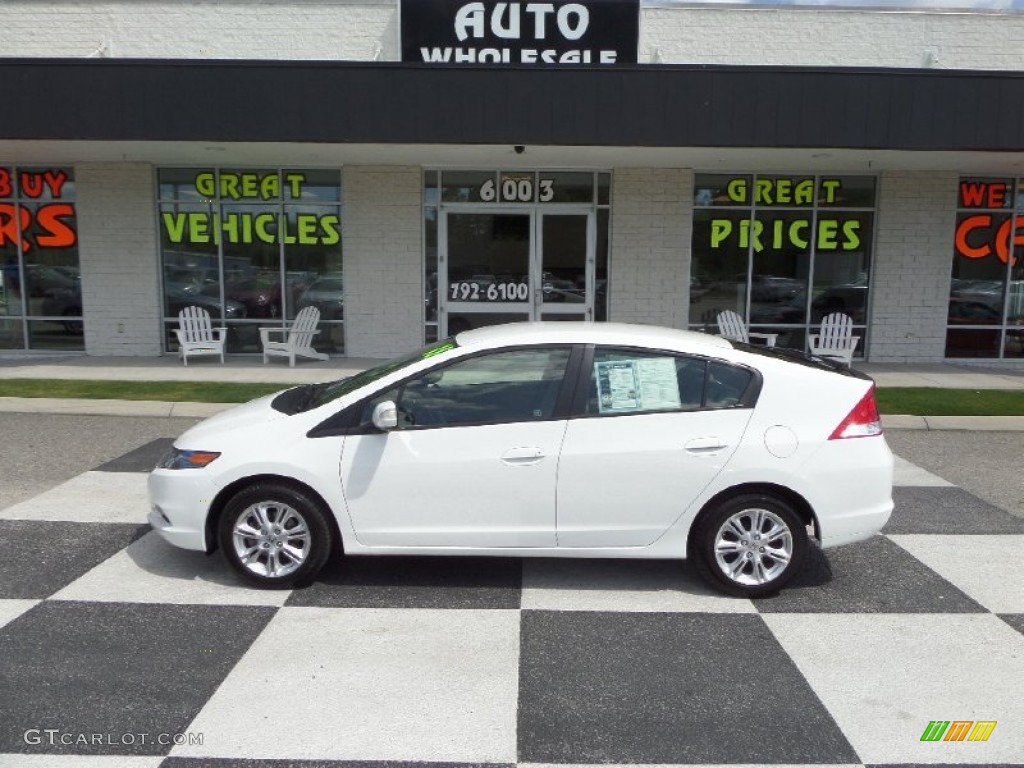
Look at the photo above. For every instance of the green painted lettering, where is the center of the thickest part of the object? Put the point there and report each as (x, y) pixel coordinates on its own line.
(206, 185)
(851, 229)
(199, 227)
(295, 180)
(263, 233)
(795, 230)
(332, 235)
(737, 190)
(307, 229)
(827, 231)
(804, 192)
(174, 225)
(829, 187)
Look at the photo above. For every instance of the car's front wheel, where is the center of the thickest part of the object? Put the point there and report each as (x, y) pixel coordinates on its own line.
(750, 545)
(274, 535)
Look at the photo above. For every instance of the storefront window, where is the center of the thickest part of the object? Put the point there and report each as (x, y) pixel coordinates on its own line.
(782, 251)
(986, 294)
(40, 284)
(253, 247)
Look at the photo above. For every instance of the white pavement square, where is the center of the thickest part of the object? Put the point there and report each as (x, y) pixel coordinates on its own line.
(621, 585)
(91, 497)
(987, 568)
(371, 684)
(907, 474)
(152, 571)
(12, 609)
(884, 677)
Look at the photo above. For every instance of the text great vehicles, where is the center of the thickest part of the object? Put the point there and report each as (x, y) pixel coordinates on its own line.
(542, 439)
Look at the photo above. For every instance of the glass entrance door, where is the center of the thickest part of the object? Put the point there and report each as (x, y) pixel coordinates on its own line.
(503, 266)
(565, 261)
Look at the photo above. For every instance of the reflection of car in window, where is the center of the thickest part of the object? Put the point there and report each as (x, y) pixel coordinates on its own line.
(326, 295)
(261, 297)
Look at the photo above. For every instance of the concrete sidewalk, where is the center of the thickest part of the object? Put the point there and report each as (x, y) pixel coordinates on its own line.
(237, 370)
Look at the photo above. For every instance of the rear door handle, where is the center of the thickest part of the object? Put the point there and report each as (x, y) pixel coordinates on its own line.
(705, 446)
(521, 456)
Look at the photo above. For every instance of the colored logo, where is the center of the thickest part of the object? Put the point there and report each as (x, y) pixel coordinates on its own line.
(958, 730)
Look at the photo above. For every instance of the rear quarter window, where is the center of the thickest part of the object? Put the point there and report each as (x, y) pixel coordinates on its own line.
(727, 385)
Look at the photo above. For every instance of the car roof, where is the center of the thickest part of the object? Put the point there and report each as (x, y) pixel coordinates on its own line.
(580, 332)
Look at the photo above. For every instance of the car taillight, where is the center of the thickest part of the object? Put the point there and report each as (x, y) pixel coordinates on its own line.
(862, 421)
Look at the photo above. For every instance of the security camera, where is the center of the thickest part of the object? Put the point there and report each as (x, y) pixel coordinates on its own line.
(519, 148)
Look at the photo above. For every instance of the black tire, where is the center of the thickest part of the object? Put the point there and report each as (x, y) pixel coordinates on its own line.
(764, 573)
(275, 503)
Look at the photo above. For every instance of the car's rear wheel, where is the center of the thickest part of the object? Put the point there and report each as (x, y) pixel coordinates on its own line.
(274, 535)
(750, 545)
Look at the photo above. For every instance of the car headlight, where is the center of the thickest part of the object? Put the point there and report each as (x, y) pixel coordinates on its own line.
(179, 459)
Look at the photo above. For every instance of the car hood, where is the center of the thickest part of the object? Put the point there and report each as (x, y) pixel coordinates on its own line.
(209, 434)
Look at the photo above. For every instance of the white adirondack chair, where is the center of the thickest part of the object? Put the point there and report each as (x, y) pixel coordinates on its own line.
(196, 336)
(731, 326)
(296, 340)
(835, 340)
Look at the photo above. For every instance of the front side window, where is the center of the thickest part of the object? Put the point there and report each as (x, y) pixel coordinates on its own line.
(624, 381)
(497, 388)
(40, 284)
(782, 251)
(986, 293)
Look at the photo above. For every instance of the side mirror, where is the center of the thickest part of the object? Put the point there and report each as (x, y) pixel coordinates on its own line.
(385, 415)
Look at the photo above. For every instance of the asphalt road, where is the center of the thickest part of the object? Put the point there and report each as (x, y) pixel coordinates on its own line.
(985, 463)
(39, 451)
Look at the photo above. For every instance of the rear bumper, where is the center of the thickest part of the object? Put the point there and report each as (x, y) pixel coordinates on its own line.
(852, 482)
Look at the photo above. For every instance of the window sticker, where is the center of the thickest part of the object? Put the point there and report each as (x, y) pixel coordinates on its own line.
(642, 384)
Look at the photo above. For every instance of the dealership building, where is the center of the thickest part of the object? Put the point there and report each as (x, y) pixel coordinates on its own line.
(413, 168)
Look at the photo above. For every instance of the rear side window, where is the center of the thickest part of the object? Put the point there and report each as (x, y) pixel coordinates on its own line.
(624, 381)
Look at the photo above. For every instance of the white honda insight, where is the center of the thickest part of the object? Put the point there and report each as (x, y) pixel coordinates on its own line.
(556, 439)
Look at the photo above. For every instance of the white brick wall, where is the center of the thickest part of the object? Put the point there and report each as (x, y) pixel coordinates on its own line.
(191, 29)
(652, 225)
(361, 30)
(852, 37)
(912, 265)
(117, 248)
(382, 237)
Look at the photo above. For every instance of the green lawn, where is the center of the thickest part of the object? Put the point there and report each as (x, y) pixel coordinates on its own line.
(919, 401)
(170, 391)
(930, 401)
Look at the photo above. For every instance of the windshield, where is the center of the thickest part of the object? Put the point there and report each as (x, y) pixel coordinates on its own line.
(335, 389)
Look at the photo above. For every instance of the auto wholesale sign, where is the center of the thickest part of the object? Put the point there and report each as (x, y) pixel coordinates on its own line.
(595, 33)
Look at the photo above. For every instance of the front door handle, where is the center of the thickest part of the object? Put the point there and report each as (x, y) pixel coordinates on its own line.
(522, 456)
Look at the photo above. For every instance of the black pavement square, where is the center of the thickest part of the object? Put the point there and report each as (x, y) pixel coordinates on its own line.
(598, 687)
(414, 582)
(142, 459)
(873, 576)
(129, 672)
(1015, 620)
(42, 557)
(947, 511)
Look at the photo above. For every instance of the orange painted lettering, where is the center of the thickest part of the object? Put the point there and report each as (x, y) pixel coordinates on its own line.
(56, 221)
(964, 230)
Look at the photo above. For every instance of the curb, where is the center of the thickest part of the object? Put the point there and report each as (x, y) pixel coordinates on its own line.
(186, 410)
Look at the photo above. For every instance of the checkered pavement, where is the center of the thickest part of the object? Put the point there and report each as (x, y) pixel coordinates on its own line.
(112, 642)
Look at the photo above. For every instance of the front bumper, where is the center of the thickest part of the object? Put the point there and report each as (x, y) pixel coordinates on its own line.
(179, 505)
